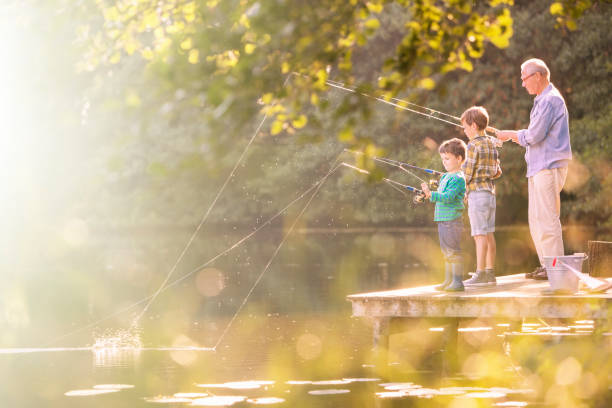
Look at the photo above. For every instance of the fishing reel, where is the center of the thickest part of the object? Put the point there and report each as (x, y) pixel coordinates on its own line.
(419, 198)
(433, 184)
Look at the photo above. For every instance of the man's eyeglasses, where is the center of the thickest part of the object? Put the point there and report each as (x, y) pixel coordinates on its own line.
(528, 76)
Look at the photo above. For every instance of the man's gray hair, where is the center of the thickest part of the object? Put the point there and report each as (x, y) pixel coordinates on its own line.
(535, 65)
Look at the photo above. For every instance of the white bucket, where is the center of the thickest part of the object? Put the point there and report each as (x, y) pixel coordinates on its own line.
(575, 261)
(562, 279)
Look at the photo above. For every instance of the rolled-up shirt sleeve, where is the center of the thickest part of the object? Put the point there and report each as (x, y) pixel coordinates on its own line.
(539, 124)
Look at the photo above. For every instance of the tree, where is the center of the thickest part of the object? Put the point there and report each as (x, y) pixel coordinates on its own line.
(235, 52)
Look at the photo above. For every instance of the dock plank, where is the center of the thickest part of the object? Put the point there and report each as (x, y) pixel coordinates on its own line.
(513, 297)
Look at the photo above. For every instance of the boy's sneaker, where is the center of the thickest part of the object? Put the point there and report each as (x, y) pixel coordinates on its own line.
(479, 278)
(490, 274)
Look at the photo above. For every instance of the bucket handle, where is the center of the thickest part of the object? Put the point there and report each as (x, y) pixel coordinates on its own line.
(585, 256)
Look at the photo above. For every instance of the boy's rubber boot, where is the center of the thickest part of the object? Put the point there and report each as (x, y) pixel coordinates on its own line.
(448, 272)
(457, 283)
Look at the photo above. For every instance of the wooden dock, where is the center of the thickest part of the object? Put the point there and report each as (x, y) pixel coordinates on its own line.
(511, 300)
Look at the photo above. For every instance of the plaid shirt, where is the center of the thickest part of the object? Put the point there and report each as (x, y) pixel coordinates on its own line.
(481, 165)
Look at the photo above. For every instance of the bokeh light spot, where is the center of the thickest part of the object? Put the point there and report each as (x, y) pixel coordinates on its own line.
(184, 357)
(210, 282)
(569, 371)
(577, 176)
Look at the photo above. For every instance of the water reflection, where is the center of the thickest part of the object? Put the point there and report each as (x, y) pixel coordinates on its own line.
(113, 386)
(330, 391)
(88, 392)
(169, 400)
(218, 401)
(238, 385)
(115, 357)
(265, 400)
(285, 334)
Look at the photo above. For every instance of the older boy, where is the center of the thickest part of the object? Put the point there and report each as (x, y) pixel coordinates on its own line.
(480, 168)
(449, 207)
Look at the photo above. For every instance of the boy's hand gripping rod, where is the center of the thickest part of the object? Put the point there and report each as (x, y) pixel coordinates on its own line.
(419, 194)
(433, 184)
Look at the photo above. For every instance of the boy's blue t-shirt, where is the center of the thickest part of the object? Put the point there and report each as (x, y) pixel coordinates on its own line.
(449, 197)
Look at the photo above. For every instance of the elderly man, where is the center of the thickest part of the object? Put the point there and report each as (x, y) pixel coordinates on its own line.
(548, 152)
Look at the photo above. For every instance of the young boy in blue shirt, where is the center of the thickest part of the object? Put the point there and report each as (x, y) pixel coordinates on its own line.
(448, 211)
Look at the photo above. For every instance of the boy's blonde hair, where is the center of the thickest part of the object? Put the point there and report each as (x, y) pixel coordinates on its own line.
(478, 115)
(454, 146)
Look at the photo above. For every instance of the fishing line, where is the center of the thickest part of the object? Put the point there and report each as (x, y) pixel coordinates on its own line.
(289, 231)
(205, 217)
(411, 103)
(205, 264)
(393, 104)
(398, 189)
(339, 85)
(195, 233)
(419, 195)
(386, 161)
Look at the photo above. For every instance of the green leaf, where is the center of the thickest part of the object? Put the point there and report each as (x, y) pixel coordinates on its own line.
(372, 23)
(427, 83)
(346, 134)
(556, 8)
(300, 122)
(276, 127)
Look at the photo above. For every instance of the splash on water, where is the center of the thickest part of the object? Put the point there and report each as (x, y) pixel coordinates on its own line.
(116, 348)
(118, 339)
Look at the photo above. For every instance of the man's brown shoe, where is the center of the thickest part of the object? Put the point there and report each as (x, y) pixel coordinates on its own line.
(541, 275)
(536, 272)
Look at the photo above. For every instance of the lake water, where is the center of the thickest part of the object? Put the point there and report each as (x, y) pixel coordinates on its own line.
(208, 340)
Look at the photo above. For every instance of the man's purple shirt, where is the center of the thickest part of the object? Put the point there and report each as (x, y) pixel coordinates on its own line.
(547, 139)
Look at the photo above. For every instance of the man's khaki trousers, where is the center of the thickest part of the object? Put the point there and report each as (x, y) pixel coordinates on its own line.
(544, 210)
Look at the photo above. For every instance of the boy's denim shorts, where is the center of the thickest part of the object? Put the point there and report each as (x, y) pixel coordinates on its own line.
(450, 233)
(481, 210)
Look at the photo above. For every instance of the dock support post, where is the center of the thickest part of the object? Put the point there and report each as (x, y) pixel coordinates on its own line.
(600, 257)
(450, 360)
(381, 341)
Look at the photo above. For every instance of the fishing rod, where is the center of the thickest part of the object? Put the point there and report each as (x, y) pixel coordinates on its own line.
(401, 105)
(419, 196)
(433, 183)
